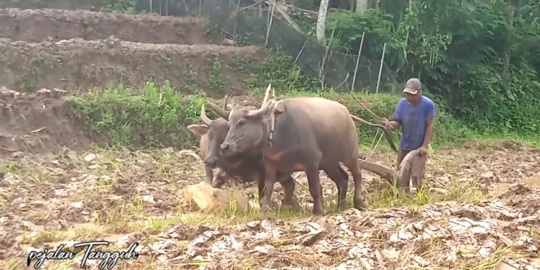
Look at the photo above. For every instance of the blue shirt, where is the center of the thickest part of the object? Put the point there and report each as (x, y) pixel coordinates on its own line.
(413, 121)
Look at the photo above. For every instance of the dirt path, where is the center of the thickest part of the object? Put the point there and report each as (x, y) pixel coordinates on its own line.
(37, 25)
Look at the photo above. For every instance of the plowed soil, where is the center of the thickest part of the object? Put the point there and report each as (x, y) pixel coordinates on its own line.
(37, 25)
(461, 221)
(80, 64)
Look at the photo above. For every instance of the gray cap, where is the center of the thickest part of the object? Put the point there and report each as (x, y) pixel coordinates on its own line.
(412, 86)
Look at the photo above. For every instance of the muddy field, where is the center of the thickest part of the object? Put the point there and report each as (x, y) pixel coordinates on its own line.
(482, 207)
(79, 49)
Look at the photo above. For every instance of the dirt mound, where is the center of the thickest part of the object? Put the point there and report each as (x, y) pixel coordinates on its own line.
(79, 64)
(37, 122)
(36, 25)
(61, 4)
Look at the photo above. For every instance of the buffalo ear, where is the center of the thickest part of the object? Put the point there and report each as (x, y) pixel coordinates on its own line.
(198, 129)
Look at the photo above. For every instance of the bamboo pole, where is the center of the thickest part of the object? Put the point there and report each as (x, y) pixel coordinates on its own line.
(357, 61)
(270, 23)
(380, 68)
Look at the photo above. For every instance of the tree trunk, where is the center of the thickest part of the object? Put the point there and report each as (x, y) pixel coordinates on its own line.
(361, 6)
(321, 20)
(506, 68)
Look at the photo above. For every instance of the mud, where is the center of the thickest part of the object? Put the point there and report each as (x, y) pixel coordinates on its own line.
(37, 25)
(80, 64)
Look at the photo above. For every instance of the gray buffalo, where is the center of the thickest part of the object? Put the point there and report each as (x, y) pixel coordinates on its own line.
(201, 131)
(247, 166)
(300, 134)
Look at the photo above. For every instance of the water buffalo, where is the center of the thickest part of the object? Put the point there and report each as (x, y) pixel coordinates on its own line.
(300, 134)
(201, 130)
(246, 166)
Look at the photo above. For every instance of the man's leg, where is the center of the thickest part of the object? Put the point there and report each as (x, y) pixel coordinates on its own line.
(401, 155)
(419, 171)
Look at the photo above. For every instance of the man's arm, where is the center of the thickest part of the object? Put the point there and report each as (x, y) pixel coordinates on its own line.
(395, 123)
(430, 115)
(429, 132)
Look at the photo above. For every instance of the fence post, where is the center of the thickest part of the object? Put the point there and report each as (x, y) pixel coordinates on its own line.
(357, 61)
(270, 23)
(380, 69)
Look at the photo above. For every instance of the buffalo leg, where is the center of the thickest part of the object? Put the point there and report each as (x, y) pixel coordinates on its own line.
(209, 173)
(336, 176)
(260, 187)
(268, 189)
(315, 189)
(288, 188)
(357, 178)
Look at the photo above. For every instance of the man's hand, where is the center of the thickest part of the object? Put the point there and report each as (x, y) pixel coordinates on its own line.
(422, 150)
(385, 122)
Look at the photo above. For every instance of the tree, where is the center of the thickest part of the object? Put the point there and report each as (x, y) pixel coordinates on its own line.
(321, 20)
(361, 6)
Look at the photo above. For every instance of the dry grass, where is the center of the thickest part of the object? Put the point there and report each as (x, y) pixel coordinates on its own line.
(460, 221)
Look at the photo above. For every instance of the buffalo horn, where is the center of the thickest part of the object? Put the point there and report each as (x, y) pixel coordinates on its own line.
(204, 118)
(263, 109)
(225, 102)
(223, 113)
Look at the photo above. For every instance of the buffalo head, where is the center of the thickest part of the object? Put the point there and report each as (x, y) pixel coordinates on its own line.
(248, 128)
(215, 130)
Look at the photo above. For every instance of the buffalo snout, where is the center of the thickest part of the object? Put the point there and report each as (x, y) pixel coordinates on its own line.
(227, 149)
(211, 162)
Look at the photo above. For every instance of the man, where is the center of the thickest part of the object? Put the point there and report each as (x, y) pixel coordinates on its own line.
(414, 114)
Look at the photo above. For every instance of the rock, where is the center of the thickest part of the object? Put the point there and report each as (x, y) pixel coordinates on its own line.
(504, 266)
(89, 157)
(208, 199)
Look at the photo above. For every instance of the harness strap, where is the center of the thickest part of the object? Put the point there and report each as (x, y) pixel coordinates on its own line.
(272, 126)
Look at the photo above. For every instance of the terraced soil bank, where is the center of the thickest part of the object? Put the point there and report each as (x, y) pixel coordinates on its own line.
(82, 50)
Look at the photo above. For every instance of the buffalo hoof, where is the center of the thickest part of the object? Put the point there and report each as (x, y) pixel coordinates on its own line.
(361, 205)
(290, 202)
(343, 205)
(318, 212)
(266, 209)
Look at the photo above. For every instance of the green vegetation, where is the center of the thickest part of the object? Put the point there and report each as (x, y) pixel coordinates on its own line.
(158, 116)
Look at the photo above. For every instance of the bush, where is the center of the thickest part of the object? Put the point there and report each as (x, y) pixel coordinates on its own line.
(156, 117)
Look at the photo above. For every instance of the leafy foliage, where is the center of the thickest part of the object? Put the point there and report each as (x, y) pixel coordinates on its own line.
(153, 118)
